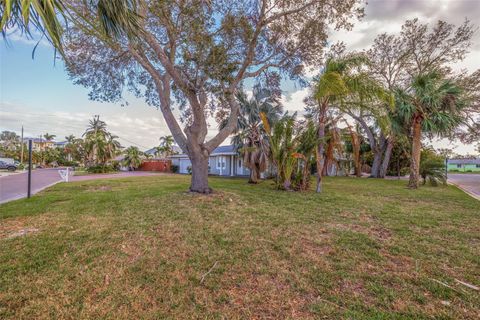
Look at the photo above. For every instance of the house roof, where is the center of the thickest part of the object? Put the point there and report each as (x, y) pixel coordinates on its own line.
(221, 150)
(464, 161)
(152, 151)
(230, 149)
(38, 140)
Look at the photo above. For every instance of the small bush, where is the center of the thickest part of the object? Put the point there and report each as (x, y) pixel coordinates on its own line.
(101, 169)
(189, 170)
(174, 168)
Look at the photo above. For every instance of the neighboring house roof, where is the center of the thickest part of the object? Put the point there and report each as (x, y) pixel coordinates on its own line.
(152, 151)
(463, 161)
(231, 149)
(222, 150)
(38, 140)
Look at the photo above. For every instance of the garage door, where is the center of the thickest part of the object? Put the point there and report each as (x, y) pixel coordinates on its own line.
(184, 164)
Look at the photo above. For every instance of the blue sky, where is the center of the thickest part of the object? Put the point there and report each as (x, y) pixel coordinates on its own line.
(38, 94)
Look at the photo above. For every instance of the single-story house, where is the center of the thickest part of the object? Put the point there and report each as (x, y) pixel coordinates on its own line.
(223, 161)
(464, 165)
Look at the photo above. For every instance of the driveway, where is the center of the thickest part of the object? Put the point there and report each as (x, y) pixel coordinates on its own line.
(15, 186)
(468, 182)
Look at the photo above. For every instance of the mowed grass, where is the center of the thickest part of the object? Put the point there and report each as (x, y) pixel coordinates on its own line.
(143, 248)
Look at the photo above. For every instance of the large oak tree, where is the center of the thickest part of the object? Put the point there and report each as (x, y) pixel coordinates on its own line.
(196, 55)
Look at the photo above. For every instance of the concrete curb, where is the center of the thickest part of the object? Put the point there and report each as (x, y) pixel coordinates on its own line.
(471, 194)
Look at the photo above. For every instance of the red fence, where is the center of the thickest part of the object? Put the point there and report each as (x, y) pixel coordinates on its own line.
(156, 165)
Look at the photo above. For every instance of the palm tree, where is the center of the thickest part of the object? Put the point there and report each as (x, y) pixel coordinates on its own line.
(432, 167)
(342, 82)
(250, 137)
(166, 146)
(49, 137)
(282, 148)
(70, 139)
(133, 158)
(431, 105)
(307, 144)
(100, 145)
(116, 18)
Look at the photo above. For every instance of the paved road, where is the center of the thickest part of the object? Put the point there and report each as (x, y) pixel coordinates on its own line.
(15, 186)
(467, 182)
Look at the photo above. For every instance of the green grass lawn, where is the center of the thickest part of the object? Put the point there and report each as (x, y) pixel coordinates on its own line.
(143, 248)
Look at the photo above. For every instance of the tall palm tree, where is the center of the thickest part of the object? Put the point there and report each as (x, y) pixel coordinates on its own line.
(70, 139)
(49, 137)
(341, 82)
(431, 105)
(166, 146)
(250, 137)
(100, 145)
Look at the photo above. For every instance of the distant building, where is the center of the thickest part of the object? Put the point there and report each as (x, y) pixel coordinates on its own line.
(463, 165)
(40, 144)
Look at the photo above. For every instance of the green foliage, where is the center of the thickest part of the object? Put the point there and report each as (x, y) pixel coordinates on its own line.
(174, 168)
(101, 169)
(133, 158)
(432, 167)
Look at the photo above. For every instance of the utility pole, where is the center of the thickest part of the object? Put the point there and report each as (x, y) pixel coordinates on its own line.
(21, 149)
(29, 191)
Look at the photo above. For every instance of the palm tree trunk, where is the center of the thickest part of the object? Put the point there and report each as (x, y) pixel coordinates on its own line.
(416, 151)
(253, 175)
(320, 159)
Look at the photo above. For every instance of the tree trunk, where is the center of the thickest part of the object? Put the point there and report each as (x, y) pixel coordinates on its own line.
(377, 160)
(416, 151)
(200, 174)
(386, 158)
(320, 155)
(253, 175)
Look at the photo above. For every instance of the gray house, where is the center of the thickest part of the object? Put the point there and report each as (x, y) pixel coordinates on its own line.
(223, 161)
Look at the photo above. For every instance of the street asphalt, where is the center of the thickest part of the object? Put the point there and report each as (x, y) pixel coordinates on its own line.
(15, 186)
(467, 182)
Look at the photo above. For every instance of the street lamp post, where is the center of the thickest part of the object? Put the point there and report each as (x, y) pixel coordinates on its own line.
(29, 191)
(446, 168)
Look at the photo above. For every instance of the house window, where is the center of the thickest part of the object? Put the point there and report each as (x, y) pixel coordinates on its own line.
(239, 163)
(477, 166)
(459, 165)
(221, 162)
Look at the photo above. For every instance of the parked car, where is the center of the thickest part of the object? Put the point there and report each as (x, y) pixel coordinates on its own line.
(8, 166)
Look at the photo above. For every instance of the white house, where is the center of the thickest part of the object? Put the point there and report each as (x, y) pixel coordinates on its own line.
(223, 161)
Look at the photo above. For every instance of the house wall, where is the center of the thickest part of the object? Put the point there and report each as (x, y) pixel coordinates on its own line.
(216, 167)
(464, 167)
(213, 162)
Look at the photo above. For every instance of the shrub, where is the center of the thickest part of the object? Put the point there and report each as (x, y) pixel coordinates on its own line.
(432, 168)
(189, 170)
(101, 169)
(174, 168)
